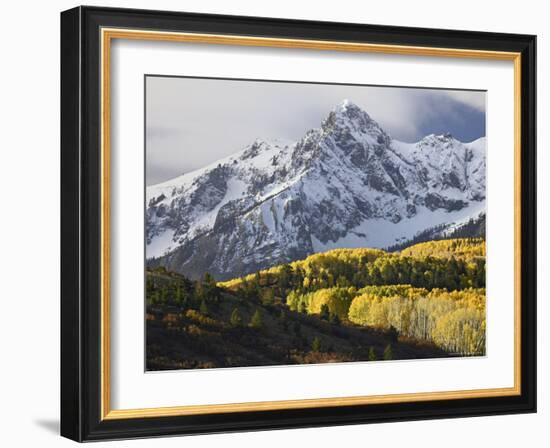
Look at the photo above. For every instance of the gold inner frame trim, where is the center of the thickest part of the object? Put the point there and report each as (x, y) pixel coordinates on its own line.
(107, 35)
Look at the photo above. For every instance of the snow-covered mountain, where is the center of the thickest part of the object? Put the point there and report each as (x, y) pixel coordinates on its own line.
(345, 184)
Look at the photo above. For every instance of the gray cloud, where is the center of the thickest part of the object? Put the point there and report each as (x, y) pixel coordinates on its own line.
(191, 122)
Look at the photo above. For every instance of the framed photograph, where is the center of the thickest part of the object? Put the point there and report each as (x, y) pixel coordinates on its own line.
(272, 223)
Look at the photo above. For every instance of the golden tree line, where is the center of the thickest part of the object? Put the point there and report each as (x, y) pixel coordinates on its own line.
(433, 291)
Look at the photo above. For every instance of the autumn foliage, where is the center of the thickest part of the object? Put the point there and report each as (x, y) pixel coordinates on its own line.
(433, 291)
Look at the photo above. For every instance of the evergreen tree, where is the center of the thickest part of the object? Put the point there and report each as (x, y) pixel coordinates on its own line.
(334, 319)
(285, 277)
(210, 288)
(155, 299)
(316, 345)
(236, 320)
(256, 320)
(163, 295)
(203, 308)
(251, 290)
(325, 313)
(208, 280)
(181, 296)
(199, 294)
(372, 354)
(299, 275)
(388, 353)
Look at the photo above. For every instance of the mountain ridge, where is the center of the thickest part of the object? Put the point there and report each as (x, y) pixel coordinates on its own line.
(344, 183)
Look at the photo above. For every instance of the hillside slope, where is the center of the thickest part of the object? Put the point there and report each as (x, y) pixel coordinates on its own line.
(191, 339)
(337, 306)
(187, 338)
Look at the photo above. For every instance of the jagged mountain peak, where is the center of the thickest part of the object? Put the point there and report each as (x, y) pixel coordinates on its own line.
(348, 107)
(349, 115)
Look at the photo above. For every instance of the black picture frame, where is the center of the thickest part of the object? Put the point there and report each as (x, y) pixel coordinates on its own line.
(81, 224)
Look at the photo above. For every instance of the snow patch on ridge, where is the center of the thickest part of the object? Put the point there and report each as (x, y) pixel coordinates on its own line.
(380, 234)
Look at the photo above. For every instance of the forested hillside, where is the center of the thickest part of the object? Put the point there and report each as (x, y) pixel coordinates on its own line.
(342, 305)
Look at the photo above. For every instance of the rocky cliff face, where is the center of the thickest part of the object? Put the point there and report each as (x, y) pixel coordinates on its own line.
(345, 184)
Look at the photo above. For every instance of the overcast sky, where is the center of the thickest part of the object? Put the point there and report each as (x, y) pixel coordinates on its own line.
(192, 122)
